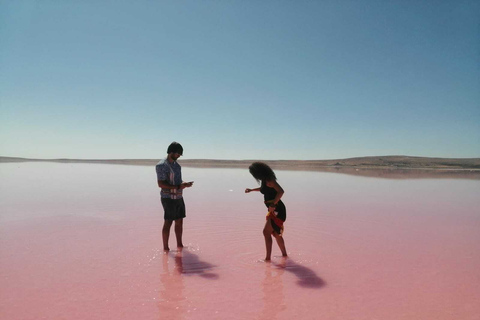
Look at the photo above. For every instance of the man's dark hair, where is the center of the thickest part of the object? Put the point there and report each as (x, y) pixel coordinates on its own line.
(262, 172)
(175, 147)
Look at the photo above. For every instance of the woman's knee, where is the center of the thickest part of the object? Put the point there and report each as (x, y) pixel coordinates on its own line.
(267, 232)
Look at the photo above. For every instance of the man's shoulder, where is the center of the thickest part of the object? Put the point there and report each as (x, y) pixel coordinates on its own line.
(164, 164)
(161, 163)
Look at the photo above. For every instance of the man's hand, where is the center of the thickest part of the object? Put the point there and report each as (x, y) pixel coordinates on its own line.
(186, 185)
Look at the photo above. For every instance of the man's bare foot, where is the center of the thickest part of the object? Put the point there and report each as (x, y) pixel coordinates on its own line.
(166, 249)
(268, 259)
(180, 245)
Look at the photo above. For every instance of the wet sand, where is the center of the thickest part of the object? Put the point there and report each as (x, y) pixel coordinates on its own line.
(83, 241)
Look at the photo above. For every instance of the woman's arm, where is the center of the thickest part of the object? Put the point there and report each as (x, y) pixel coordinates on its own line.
(250, 190)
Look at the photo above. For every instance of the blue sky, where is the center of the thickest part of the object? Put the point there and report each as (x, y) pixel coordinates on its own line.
(239, 79)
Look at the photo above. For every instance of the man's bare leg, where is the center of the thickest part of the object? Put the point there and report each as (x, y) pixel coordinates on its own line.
(166, 234)
(267, 233)
(179, 232)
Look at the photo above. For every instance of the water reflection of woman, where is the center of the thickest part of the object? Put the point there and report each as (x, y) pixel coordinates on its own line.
(277, 213)
(273, 296)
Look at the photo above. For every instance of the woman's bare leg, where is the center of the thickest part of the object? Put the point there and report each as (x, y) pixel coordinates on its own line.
(267, 233)
(281, 243)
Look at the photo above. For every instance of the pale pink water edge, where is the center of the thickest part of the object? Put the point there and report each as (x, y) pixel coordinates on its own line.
(83, 242)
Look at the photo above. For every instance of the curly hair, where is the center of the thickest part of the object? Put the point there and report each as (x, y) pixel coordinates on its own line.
(261, 172)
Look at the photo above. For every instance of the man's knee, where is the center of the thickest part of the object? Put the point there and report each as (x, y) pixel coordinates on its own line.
(178, 224)
(167, 225)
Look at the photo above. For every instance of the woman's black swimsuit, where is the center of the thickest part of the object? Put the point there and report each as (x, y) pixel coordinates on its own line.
(269, 194)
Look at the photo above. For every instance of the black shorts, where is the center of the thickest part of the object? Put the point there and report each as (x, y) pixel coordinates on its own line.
(174, 208)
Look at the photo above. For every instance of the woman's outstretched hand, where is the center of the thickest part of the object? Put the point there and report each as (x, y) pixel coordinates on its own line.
(248, 190)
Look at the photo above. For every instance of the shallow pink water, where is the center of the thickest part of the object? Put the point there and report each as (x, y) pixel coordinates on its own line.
(82, 241)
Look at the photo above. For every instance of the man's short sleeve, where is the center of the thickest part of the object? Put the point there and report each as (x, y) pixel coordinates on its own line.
(162, 172)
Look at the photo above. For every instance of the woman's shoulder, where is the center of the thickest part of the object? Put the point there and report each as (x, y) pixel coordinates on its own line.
(270, 182)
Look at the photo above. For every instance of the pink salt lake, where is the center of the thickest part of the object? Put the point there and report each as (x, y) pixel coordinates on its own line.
(83, 241)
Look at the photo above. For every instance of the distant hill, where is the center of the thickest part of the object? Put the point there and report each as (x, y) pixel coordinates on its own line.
(388, 167)
(381, 162)
(377, 162)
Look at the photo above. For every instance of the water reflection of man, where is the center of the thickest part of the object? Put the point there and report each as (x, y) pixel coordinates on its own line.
(172, 302)
(169, 177)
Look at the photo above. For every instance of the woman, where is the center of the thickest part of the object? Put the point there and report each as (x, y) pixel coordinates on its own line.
(277, 213)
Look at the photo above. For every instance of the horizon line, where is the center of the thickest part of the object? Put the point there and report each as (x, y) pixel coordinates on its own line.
(251, 159)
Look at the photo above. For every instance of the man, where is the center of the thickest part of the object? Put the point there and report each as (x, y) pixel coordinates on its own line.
(169, 177)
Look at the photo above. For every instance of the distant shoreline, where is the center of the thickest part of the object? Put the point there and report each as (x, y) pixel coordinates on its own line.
(376, 162)
(390, 167)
